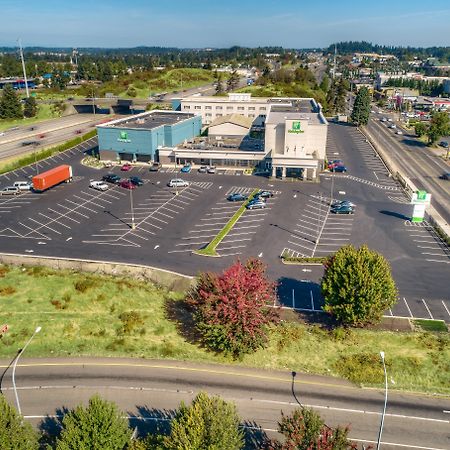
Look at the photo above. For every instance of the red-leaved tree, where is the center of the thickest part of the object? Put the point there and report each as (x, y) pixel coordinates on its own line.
(232, 310)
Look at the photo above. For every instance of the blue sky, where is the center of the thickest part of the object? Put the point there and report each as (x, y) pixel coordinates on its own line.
(213, 23)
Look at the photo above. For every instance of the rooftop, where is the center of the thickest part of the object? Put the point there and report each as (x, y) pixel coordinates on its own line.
(235, 119)
(297, 109)
(149, 120)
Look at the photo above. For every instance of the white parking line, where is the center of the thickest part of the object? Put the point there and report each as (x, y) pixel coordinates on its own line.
(54, 220)
(301, 246)
(209, 224)
(219, 248)
(78, 205)
(191, 243)
(203, 231)
(407, 306)
(42, 225)
(445, 306)
(231, 254)
(428, 309)
(227, 241)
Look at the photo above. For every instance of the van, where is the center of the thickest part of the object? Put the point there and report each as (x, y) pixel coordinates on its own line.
(23, 185)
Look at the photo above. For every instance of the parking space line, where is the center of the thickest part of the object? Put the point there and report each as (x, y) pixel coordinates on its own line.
(43, 236)
(55, 220)
(158, 220)
(205, 231)
(245, 227)
(428, 309)
(219, 248)
(73, 210)
(191, 243)
(301, 246)
(42, 225)
(165, 215)
(210, 224)
(227, 241)
(78, 205)
(407, 307)
(180, 251)
(198, 237)
(304, 232)
(334, 239)
(239, 234)
(231, 254)
(307, 228)
(445, 307)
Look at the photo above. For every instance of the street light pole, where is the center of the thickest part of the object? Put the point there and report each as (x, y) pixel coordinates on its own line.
(385, 401)
(14, 368)
(133, 225)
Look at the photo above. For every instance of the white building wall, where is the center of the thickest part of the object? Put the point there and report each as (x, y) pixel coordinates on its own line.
(227, 129)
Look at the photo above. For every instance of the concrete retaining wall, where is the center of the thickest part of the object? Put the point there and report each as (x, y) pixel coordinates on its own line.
(171, 280)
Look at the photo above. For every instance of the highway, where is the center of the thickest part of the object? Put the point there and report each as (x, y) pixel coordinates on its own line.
(149, 390)
(47, 133)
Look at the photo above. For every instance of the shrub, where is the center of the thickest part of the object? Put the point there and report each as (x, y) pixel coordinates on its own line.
(360, 367)
(130, 320)
(232, 310)
(84, 284)
(3, 271)
(7, 290)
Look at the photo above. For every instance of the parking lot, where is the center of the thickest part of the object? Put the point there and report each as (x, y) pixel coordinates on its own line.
(161, 226)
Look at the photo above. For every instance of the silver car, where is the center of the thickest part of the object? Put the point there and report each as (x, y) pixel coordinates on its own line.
(178, 182)
(10, 190)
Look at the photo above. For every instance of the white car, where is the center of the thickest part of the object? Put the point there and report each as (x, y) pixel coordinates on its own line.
(399, 132)
(10, 190)
(99, 185)
(23, 185)
(178, 182)
(392, 125)
(389, 120)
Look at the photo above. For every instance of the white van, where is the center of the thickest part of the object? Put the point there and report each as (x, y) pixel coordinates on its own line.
(178, 182)
(23, 185)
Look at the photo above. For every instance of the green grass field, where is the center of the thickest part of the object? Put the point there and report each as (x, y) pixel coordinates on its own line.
(88, 315)
(44, 113)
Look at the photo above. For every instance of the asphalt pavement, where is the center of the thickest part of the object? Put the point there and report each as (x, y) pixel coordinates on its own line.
(149, 391)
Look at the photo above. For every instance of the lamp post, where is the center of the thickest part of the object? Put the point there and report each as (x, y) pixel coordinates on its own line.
(14, 368)
(385, 401)
(133, 225)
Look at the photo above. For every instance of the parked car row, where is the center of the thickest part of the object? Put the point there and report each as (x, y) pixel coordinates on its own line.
(257, 202)
(207, 169)
(127, 183)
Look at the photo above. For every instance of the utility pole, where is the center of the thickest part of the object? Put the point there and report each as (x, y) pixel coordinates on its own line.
(23, 68)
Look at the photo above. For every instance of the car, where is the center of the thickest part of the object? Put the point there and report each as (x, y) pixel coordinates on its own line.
(443, 144)
(2, 133)
(23, 185)
(383, 119)
(211, 169)
(127, 184)
(99, 185)
(335, 163)
(41, 136)
(78, 131)
(126, 167)
(264, 194)
(392, 126)
(340, 203)
(203, 169)
(342, 210)
(178, 182)
(339, 169)
(186, 168)
(445, 176)
(136, 181)
(26, 143)
(10, 190)
(256, 204)
(107, 164)
(155, 167)
(389, 120)
(111, 178)
(237, 197)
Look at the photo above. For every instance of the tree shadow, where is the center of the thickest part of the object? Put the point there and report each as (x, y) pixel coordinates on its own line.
(395, 214)
(149, 420)
(255, 436)
(413, 143)
(51, 428)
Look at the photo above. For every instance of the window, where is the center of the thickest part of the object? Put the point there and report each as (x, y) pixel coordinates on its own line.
(251, 115)
(251, 108)
(186, 107)
(230, 108)
(262, 108)
(218, 107)
(197, 107)
(208, 114)
(240, 108)
(219, 115)
(208, 107)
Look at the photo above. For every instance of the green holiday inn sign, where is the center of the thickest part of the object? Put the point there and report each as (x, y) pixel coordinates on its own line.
(123, 137)
(296, 128)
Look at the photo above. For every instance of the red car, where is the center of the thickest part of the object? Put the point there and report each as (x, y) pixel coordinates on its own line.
(41, 136)
(78, 131)
(333, 164)
(126, 167)
(127, 184)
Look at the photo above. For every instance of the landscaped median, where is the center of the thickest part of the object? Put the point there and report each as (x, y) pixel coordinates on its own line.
(300, 260)
(22, 161)
(210, 249)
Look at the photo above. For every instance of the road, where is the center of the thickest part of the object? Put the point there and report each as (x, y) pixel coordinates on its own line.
(53, 131)
(416, 161)
(149, 391)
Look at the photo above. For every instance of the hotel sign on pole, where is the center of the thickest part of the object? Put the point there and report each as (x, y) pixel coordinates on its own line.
(420, 200)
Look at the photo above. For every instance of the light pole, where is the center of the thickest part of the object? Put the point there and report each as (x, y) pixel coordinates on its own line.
(133, 225)
(14, 368)
(385, 401)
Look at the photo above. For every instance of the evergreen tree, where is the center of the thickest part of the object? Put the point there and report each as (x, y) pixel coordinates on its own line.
(30, 107)
(99, 426)
(358, 286)
(439, 126)
(10, 107)
(15, 434)
(361, 107)
(209, 423)
(232, 81)
(219, 85)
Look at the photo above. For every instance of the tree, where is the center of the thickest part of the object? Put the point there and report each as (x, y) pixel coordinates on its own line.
(439, 126)
(420, 128)
(233, 309)
(209, 423)
(304, 429)
(10, 107)
(361, 107)
(325, 83)
(358, 286)
(232, 81)
(219, 85)
(99, 426)
(30, 107)
(15, 434)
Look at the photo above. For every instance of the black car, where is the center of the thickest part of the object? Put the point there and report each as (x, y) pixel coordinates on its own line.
(237, 197)
(136, 181)
(111, 178)
(264, 194)
(445, 176)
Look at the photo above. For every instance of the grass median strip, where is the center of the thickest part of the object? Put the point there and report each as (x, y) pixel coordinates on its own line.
(210, 249)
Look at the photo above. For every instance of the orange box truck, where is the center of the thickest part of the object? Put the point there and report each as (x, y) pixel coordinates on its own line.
(52, 177)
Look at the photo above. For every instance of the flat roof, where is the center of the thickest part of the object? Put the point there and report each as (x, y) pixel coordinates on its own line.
(149, 120)
(300, 109)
